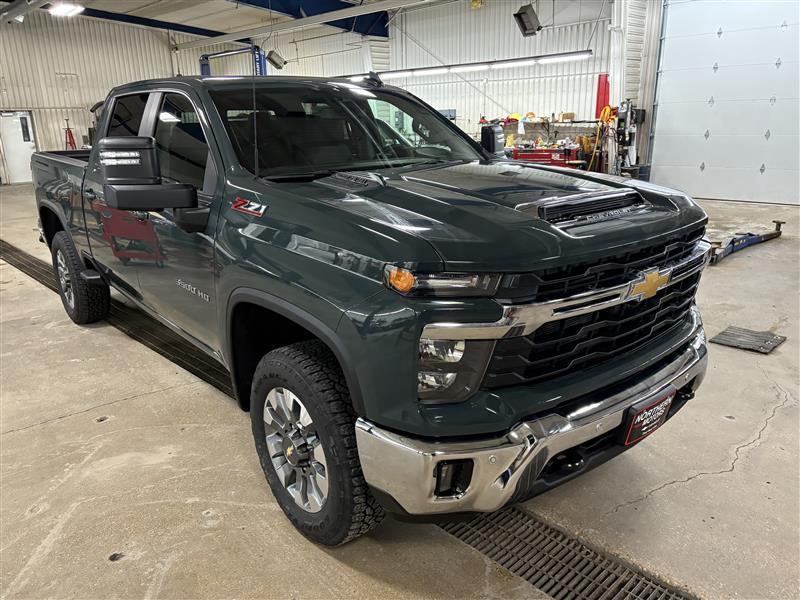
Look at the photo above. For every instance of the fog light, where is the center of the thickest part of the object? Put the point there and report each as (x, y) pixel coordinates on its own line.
(444, 350)
(453, 477)
(433, 381)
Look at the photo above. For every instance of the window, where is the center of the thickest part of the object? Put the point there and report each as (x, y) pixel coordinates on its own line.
(180, 142)
(26, 132)
(127, 115)
(304, 129)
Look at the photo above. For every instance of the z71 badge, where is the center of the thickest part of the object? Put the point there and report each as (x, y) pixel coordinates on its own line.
(249, 207)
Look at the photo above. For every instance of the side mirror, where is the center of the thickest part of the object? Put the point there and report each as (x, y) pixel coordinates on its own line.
(493, 140)
(132, 178)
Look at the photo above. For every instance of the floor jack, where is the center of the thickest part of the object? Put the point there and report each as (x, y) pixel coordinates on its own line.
(740, 241)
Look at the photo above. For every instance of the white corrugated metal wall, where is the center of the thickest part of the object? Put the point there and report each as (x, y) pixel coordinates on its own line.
(455, 33)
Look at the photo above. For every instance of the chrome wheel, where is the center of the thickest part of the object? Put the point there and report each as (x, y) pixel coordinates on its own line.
(295, 449)
(64, 279)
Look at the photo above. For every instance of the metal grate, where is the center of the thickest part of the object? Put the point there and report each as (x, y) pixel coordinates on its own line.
(555, 563)
(133, 323)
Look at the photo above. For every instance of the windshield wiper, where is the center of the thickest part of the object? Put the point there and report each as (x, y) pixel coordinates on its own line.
(308, 176)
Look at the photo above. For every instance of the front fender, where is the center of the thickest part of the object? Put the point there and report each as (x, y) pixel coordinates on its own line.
(325, 331)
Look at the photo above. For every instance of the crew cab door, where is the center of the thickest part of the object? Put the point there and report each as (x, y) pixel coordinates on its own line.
(119, 239)
(178, 283)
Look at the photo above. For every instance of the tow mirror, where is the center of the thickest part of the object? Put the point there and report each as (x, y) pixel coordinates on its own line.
(493, 140)
(132, 179)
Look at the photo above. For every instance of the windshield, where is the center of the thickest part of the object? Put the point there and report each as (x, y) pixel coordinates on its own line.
(302, 131)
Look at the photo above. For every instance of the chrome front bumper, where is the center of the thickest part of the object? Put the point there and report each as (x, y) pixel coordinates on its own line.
(405, 468)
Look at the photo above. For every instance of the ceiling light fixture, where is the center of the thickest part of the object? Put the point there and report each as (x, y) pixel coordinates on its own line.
(65, 9)
(469, 68)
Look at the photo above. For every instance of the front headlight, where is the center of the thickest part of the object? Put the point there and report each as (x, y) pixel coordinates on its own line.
(451, 370)
(409, 283)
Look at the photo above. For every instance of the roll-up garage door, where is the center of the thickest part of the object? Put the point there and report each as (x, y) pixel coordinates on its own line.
(727, 109)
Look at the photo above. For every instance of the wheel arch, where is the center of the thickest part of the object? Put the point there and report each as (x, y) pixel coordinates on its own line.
(242, 366)
(52, 222)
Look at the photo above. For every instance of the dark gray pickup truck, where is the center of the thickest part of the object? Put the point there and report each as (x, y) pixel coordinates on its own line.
(415, 325)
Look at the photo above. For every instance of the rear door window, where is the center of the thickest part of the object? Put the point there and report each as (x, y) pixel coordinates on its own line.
(127, 115)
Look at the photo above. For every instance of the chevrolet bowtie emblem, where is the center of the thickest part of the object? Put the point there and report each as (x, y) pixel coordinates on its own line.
(648, 284)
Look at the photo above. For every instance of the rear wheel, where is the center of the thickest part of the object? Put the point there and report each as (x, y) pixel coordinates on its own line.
(84, 302)
(303, 426)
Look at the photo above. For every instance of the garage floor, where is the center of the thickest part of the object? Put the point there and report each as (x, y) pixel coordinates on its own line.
(123, 475)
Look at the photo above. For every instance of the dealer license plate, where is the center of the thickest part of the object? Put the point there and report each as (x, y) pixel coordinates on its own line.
(646, 416)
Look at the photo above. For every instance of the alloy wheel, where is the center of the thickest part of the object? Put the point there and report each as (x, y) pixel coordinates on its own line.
(295, 449)
(64, 279)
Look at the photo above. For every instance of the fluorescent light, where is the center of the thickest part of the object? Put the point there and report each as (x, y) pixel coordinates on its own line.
(65, 9)
(434, 71)
(469, 68)
(166, 117)
(395, 75)
(509, 63)
(515, 63)
(568, 58)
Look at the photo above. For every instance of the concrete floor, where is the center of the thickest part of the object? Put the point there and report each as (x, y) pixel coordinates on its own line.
(108, 449)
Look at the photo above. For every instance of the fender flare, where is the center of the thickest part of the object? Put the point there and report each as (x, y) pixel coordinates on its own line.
(306, 320)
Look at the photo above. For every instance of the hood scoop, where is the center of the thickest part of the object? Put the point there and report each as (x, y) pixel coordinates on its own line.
(585, 207)
(353, 181)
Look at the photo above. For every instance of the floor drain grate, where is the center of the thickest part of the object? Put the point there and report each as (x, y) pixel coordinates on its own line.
(552, 561)
(559, 565)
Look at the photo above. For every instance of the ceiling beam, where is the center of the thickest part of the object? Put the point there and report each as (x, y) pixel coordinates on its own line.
(19, 8)
(370, 24)
(319, 19)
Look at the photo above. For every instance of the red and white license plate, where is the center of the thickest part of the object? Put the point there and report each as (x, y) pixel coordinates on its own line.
(645, 417)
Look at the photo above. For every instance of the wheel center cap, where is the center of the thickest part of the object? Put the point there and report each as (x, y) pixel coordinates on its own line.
(294, 450)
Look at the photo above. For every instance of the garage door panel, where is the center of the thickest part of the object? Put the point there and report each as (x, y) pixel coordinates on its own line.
(737, 118)
(753, 119)
(730, 83)
(698, 17)
(771, 186)
(732, 49)
(745, 152)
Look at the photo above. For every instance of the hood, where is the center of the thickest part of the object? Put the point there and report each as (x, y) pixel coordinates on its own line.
(508, 216)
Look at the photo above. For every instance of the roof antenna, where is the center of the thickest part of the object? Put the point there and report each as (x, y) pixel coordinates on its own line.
(253, 58)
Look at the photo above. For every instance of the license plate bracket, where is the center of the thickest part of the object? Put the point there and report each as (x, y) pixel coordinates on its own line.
(644, 417)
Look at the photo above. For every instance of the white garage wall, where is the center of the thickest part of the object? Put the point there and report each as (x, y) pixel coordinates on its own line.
(456, 33)
(728, 100)
(59, 68)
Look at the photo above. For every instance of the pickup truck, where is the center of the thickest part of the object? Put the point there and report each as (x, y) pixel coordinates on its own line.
(415, 324)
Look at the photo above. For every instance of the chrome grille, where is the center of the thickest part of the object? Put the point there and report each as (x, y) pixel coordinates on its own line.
(561, 282)
(569, 345)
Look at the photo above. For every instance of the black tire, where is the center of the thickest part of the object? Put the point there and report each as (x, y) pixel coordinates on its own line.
(312, 373)
(89, 302)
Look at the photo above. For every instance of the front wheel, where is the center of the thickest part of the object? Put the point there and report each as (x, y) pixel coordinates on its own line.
(304, 431)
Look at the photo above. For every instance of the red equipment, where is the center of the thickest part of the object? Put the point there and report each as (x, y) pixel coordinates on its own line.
(559, 157)
(69, 139)
(603, 94)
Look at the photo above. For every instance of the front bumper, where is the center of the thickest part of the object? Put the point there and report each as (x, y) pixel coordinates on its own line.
(404, 468)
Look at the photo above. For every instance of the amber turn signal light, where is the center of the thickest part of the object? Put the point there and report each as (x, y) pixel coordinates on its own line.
(400, 279)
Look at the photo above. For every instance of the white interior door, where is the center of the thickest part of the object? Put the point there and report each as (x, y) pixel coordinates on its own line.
(728, 100)
(16, 134)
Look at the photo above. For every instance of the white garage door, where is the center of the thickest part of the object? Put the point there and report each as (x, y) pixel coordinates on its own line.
(728, 100)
